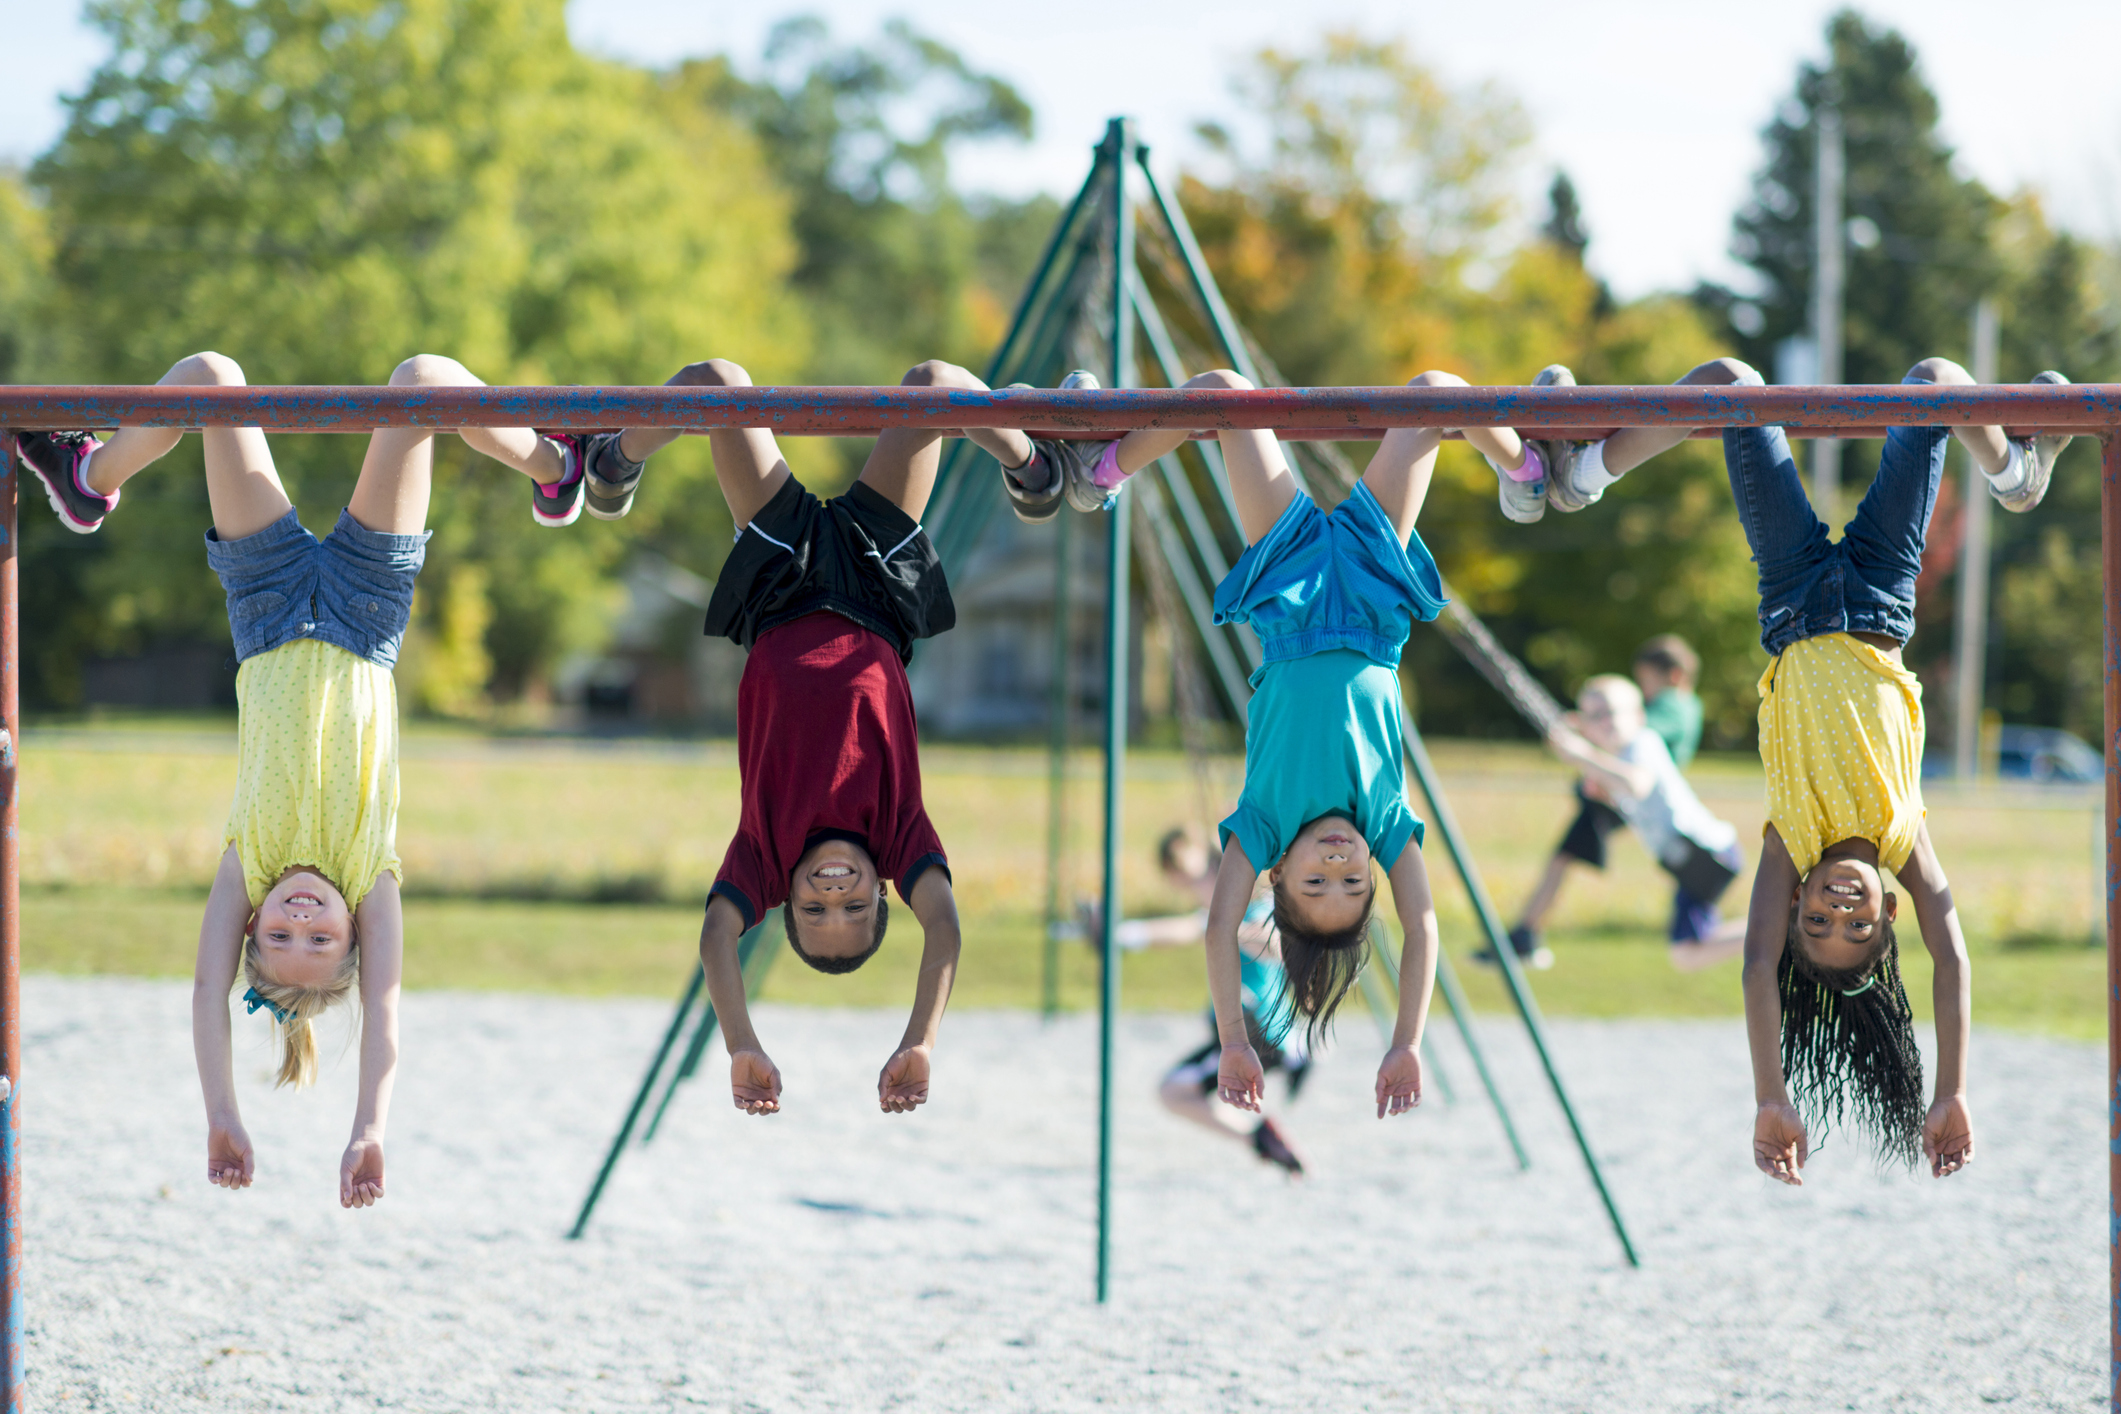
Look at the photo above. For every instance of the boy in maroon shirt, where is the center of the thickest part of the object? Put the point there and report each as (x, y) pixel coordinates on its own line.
(830, 597)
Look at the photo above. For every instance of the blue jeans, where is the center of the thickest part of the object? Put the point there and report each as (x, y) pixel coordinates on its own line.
(1862, 583)
(353, 588)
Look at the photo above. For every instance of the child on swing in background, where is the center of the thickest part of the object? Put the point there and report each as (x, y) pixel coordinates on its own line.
(304, 908)
(1841, 732)
(1333, 597)
(830, 597)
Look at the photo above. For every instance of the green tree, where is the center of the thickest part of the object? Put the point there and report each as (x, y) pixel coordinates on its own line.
(321, 187)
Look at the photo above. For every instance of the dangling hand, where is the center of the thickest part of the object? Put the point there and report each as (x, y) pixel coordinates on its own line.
(1779, 1143)
(902, 1087)
(1399, 1081)
(1240, 1080)
(755, 1083)
(1948, 1136)
(229, 1160)
(361, 1174)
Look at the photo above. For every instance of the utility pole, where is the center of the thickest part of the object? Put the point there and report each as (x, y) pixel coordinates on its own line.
(1828, 244)
(1970, 640)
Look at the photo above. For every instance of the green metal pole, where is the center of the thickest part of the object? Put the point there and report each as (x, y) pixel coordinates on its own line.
(633, 1115)
(1119, 141)
(1059, 705)
(1446, 823)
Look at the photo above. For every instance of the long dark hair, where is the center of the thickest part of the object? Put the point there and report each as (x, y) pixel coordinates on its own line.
(1319, 968)
(1848, 1045)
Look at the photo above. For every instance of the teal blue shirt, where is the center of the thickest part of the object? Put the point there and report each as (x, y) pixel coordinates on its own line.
(1323, 739)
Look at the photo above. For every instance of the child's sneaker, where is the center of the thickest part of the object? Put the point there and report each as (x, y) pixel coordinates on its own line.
(611, 479)
(1077, 461)
(1522, 501)
(1040, 505)
(1561, 457)
(561, 503)
(2036, 455)
(57, 458)
(1526, 945)
(1272, 1145)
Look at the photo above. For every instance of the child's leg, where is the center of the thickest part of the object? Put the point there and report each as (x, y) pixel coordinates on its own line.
(1399, 473)
(242, 487)
(1630, 447)
(1257, 473)
(397, 472)
(903, 464)
(1885, 537)
(1545, 894)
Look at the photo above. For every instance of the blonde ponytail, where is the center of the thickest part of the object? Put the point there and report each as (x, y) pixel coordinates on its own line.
(296, 1009)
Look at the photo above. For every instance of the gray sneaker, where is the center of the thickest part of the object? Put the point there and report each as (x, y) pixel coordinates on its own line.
(1077, 460)
(1561, 456)
(609, 479)
(1040, 505)
(1522, 501)
(2040, 454)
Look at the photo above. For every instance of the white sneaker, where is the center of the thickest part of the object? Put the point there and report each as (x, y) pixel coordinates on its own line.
(2039, 455)
(1561, 456)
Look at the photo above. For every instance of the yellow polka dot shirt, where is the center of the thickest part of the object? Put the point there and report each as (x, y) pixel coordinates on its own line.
(1841, 738)
(316, 768)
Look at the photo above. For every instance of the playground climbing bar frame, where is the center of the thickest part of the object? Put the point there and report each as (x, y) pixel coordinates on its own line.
(1322, 414)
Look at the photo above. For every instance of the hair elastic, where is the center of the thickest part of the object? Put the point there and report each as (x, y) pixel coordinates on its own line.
(252, 1000)
(1868, 983)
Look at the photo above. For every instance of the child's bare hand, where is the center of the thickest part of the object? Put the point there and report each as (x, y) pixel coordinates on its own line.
(755, 1083)
(361, 1174)
(229, 1160)
(1398, 1081)
(1948, 1136)
(1240, 1081)
(902, 1086)
(1779, 1143)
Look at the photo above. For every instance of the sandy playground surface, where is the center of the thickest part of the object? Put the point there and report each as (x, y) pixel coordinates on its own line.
(836, 1258)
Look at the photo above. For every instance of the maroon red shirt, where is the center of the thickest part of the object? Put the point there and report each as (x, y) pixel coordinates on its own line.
(825, 746)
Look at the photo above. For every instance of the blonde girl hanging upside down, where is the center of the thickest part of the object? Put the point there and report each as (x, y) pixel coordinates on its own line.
(304, 909)
(1332, 596)
(1831, 1035)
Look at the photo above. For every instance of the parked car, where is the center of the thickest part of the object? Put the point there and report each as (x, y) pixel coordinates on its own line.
(2045, 754)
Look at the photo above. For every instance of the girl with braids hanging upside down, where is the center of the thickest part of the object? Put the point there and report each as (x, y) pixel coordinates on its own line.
(304, 912)
(1332, 596)
(1841, 731)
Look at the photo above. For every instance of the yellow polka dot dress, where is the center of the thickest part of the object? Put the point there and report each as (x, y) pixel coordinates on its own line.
(316, 768)
(1841, 738)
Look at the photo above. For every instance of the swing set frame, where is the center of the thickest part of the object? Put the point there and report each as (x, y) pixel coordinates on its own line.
(1297, 415)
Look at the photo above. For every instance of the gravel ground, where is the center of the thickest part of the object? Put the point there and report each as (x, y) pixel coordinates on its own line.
(836, 1258)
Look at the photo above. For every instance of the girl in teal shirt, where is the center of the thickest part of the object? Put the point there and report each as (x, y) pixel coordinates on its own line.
(1332, 597)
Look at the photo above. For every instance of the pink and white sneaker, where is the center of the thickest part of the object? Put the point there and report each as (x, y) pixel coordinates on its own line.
(561, 503)
(58, 459)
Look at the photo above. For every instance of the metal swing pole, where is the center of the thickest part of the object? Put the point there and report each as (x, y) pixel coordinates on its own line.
(2110, 565)
(1120, 145)
(12, 1394)
(1058, 699)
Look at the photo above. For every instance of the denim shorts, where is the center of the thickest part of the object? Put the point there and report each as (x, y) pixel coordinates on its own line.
(1861, 583)
(352, 589)
(1317, 581)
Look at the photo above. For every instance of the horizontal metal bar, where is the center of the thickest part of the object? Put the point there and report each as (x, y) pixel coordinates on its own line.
(1346, 414)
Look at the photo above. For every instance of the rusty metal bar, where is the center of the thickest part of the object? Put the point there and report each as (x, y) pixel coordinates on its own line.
(1344, 413)
(13, 1397)
(2110, 560)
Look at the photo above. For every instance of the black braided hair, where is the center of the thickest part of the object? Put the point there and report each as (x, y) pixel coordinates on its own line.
(1848, 1045)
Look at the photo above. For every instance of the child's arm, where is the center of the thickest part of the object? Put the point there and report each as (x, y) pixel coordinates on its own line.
(381, 919)
(1602, 769)
(1779, 1143)
(1399, 1076)
(753, 1081)
(1240, 1080)
(229, 1160)
(1948, 1131)
(903, 1085)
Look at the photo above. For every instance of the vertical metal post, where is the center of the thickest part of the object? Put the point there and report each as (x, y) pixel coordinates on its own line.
(2110, 563)
(1828, 246)
(1060, 704)
(12, 1395)
(1970, 642)
(1119, 139)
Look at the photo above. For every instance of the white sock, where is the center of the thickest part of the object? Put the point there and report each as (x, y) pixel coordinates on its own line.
(1591, 474)
(2014, 474)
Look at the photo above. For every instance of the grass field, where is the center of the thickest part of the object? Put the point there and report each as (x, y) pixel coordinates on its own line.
(546, 865)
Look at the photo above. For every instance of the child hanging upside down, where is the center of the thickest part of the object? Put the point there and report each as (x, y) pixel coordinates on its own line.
(1332, 597)
(1841, 737)
(830, 597)
(305, 905)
